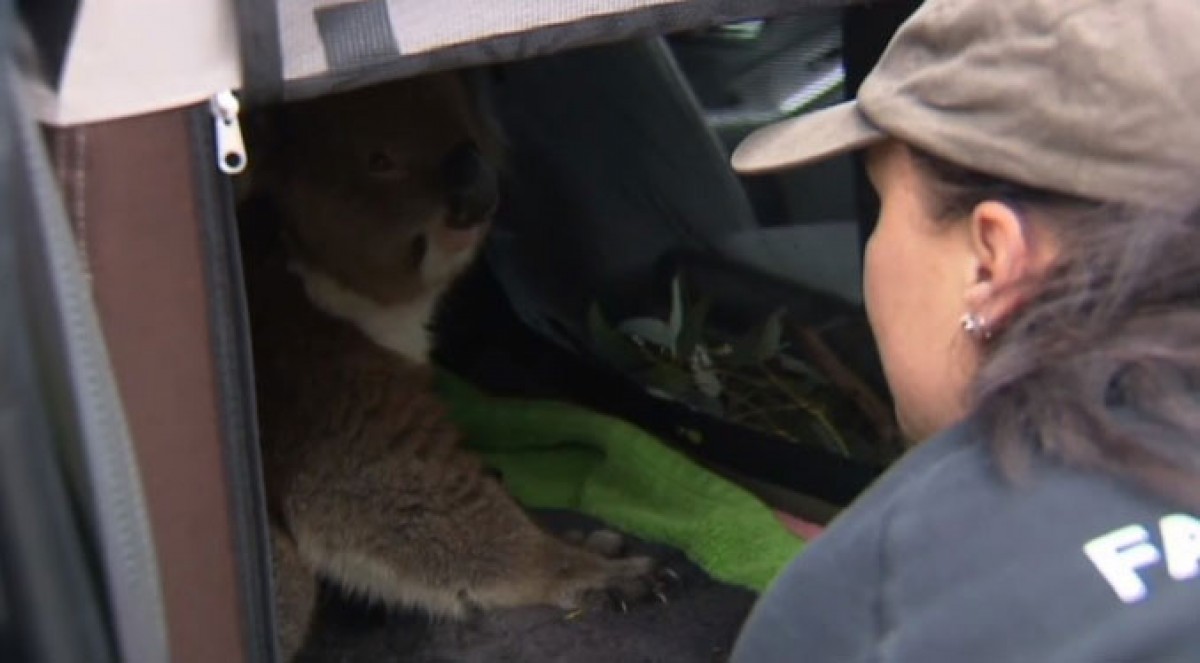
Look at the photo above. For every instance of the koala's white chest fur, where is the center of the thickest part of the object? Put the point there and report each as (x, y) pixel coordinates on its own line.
(400, 328)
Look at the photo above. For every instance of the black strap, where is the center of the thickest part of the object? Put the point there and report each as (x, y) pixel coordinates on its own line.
(261, 51)
(51, 23)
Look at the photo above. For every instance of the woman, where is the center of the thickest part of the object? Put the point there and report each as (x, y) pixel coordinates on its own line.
(1034, 288)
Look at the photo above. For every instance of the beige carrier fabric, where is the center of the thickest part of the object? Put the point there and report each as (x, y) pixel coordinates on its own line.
(424, 26)
(129, 57)
(390, 28)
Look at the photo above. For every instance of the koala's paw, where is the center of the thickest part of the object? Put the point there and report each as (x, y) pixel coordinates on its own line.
(609, 581)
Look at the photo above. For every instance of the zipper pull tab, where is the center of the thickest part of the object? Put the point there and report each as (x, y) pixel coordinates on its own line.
(231, 149)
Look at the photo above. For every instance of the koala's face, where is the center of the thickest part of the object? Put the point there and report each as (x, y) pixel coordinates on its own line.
(388, 189)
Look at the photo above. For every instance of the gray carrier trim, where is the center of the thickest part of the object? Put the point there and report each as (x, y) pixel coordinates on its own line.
(261, 55)
(50, 608)
(324, 46)
(357, 35)
(90, 416)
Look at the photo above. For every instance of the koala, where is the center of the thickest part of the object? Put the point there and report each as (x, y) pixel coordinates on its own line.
(382, 197)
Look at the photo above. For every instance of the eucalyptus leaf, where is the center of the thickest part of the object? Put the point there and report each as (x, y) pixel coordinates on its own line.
(665, 395)
(761, 343)
(691, 335)
(650, 329)
(671, 382)
(706, 380)
(675, 318)
(771, 341)
(610, 345)
(704, 373)
(800, 368)
(668, 378)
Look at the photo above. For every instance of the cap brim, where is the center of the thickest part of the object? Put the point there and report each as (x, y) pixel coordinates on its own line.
(805, 139)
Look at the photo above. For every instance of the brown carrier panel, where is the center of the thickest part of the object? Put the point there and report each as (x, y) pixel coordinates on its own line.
(131, 190)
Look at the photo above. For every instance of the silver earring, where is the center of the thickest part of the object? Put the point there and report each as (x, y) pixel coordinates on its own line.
(975, 325)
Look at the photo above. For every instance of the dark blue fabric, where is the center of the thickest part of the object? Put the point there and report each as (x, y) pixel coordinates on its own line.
(944, 559)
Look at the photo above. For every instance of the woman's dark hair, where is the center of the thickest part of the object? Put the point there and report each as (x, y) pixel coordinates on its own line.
(1100, 367)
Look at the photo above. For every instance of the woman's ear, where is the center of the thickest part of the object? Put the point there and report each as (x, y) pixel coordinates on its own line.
(1006, 254)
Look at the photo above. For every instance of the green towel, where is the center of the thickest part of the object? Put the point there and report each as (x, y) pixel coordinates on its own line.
(555, 455)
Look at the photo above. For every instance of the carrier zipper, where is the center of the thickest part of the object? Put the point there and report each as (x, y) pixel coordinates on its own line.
(231, 149)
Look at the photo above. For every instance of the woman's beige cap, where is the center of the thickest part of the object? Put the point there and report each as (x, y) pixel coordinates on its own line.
(1097, 98)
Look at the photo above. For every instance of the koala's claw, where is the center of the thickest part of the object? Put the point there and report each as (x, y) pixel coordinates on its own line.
(614, 584)
(617, 601)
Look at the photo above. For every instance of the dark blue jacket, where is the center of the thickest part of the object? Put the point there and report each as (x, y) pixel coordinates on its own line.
(944, 559)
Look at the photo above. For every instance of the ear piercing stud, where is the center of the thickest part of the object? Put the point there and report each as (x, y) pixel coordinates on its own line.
(975, 325)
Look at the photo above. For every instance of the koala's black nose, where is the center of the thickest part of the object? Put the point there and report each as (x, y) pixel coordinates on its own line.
(472, 186)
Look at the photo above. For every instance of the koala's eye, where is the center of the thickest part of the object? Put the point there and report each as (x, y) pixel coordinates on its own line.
(380, 163)
(420, 245)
